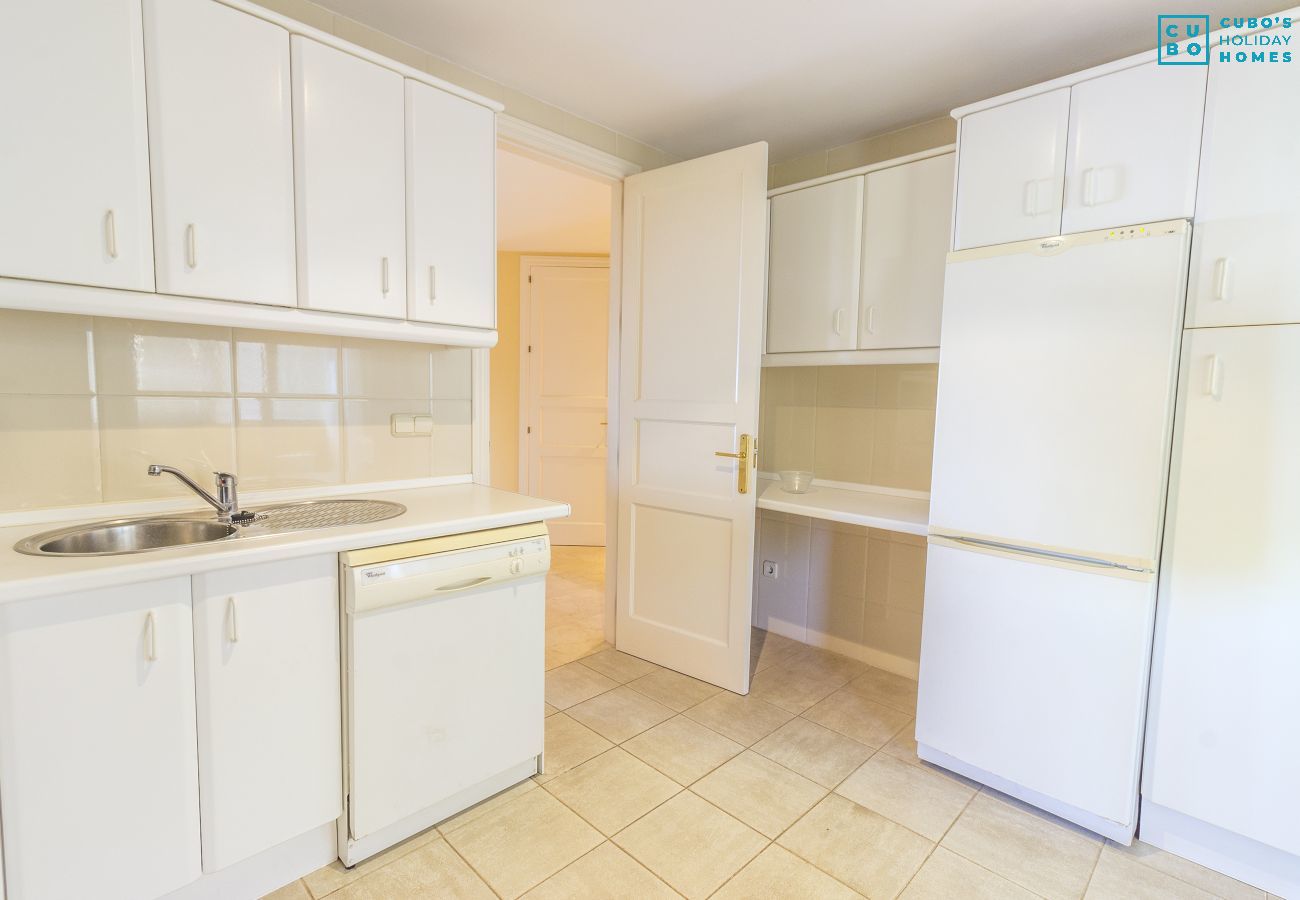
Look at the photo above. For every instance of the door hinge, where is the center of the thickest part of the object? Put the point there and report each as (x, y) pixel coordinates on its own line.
(530, 348)
(530, 429)
(530, 279)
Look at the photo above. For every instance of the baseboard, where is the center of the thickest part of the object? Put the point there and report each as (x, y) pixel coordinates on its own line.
(1117, 832)
(258, 875)
(1267, 868)
(890, 662)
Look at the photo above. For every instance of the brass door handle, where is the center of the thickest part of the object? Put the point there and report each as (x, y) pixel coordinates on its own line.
(742, 470)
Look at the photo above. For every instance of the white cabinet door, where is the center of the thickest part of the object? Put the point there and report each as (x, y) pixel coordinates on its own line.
(1011, 167)
(349, 180)
(221, 152)
(74, 156)
(814, 266)
(266, 646)
(97, 754)
(1226, 676)
(905, 240)
(1134, 144)
(451, 208)
(1245, 269)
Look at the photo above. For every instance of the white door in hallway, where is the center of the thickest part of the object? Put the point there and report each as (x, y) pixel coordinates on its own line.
(694, 247)
(565, 393)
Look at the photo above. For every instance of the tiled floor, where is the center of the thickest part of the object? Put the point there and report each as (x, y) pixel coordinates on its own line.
(657, 785)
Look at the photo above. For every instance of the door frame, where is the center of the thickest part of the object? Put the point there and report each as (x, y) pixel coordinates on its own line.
(547, 146)
(526, 340)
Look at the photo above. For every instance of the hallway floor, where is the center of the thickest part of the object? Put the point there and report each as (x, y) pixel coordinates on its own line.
(658, 785)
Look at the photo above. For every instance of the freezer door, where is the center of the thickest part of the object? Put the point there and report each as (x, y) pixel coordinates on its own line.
(1056, 381)
(1036, 674)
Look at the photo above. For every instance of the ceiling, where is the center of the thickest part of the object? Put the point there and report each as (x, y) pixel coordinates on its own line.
(693, 77)
(542, 208)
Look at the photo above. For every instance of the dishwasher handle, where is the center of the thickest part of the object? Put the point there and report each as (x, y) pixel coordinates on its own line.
(371, 588)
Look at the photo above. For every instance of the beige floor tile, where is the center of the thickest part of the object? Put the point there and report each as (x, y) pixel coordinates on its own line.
(779, 874)
(791, 690)
(613, 790)
(863, 849)
(745, 720)
(683, 749)
(1185, 870)
(568, 744)
(549, 710)
(814, 662)
(909, 795)
(570, 684)
(620, 714)
(464, 817)
(673, 689)
(767, 649)
(606, 873)
(431, 871)
(946, 876)
(825, 756)
(328, 879)
(521, 844)
(886, 688)
(1121, 877)
(861, 719)
(621, 667)
(1034, 850)
(693, 846)
(903, 745)
(763, 794)
(294, 890)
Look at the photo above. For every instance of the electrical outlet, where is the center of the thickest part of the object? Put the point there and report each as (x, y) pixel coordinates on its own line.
(770, 569)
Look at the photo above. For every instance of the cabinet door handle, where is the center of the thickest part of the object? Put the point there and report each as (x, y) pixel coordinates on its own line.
(838, 321)
(191, 249)
(110, 234)
(232, 620)
(150, 638)
(1214, 377)
(384, 275)
(871, 319)
(1089, 188)
(1031, 198)
(1221, 278)
(433, 282)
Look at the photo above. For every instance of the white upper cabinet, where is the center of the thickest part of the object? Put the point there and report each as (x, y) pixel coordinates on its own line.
(221, 142)
(74, 161)
(1245, 266)
(1133, 149)
(1011, 171)
(905, 240)
(97, 752)
(266, 653)
(814, 267)
(350, 185)
(450, 209)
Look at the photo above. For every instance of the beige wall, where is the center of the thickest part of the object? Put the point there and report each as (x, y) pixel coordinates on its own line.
(517, 104)
(504, 385)
(862, 424)
(912, 139)
(87, 403)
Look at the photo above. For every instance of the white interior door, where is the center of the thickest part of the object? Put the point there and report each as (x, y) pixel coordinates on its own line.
(694, 240)
(566, 394)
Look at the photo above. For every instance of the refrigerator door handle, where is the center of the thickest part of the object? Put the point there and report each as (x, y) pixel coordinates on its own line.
(1054, 555)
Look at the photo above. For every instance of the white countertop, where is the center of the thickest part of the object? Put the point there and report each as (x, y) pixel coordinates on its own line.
(875, 509)
(430, 512)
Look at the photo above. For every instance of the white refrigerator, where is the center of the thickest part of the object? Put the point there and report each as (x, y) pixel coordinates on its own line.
(1056, 394)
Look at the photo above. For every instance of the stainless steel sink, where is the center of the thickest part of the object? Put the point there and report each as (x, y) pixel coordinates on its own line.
(121, 536)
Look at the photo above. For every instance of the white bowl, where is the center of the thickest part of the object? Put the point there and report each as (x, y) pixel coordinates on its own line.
(795, 481)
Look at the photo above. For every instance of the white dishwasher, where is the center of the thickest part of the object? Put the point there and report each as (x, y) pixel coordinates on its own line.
(443, 668)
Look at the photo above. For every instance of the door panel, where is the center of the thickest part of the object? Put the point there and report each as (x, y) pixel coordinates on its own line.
(1226, 676)
(221, 142)
(814, 266)
(1011, 167)
(74, 151)
(1245, 270)
(694, 241)
(1134, 146)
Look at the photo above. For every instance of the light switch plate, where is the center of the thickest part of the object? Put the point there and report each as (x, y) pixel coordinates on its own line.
(403, 425)
(423, 425)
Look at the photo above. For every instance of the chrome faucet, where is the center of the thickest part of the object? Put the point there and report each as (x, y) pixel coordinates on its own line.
(226, 502)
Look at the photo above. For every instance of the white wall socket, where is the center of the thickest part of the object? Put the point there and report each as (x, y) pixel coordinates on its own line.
(770, 569)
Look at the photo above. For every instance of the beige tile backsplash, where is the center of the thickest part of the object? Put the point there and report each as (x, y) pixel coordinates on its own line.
(87, 403)
(860, 424)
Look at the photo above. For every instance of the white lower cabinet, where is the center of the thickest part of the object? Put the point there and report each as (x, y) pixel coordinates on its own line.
(1225, 689)
(266, 654)
(98, 760)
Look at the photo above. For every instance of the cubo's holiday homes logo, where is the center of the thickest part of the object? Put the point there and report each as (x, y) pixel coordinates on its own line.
(1185, 40)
